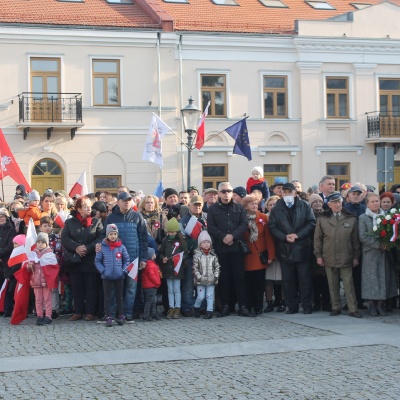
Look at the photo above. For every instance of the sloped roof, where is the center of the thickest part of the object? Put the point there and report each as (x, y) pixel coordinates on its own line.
(87, 13)
(251, 16)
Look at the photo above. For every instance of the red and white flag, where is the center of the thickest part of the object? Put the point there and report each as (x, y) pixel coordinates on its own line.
(31, 235)
(17, 256)
(50, 269)
(60, 219)
(9, 166)
(80, 188)
(3, 292)
(201, 129)
(177, 259)
(133, 268)
(194, 227)
(21, 295)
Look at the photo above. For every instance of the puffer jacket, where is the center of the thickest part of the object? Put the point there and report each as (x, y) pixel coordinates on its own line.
(7, 233)
(337, 243)
(151, 275)
(132, 231)
(280, 226)
(206, 268)
(111, 263)
(74, 234)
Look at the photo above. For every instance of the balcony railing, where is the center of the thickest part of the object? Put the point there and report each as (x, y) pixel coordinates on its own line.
(384, 125)
(50, 107)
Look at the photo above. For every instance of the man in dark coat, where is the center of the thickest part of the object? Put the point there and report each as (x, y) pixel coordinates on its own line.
(291, 223)
(227, 222)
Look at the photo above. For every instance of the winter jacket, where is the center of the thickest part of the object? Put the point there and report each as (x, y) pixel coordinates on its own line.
(224, 219)
(151, 275)
(206, 268)
(38, 277)
(23, 193)
(335, 242)
(280, 226)
(261, 185)
(357, 209)
(132, 231)
(74, 234)
(192, 243)
(32, 212)
(7, 233)
(111, 263)
(264, 242)
(167, 247)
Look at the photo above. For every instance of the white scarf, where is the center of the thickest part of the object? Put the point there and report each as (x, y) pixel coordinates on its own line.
(375, 216)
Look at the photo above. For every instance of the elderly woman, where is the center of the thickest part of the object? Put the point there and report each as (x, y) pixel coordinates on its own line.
(378, 273)
(387, 201)
(258, 239)
(151, 212)
(79, 237)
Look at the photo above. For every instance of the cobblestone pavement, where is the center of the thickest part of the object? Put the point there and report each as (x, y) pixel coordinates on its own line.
(350, 372)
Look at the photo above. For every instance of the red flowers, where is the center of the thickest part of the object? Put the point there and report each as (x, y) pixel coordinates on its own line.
(384, 222)
(383, 233)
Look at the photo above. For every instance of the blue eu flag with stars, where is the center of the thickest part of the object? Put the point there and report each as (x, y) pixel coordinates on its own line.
(239, 133)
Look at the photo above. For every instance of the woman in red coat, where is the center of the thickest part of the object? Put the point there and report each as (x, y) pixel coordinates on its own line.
(258, 239)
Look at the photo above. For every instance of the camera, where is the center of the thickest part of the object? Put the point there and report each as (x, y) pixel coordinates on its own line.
(174, 211)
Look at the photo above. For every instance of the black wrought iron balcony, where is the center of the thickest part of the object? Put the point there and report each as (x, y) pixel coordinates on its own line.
(383, 125)
(50, 107)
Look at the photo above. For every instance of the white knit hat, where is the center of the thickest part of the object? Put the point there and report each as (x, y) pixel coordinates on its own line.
(260, 170)
(203, 237)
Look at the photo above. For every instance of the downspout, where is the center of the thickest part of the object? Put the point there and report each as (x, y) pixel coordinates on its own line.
(159, 83)
(181, 106)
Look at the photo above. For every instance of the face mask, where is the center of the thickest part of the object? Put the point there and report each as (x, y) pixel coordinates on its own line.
(288, 199)
(14, 214)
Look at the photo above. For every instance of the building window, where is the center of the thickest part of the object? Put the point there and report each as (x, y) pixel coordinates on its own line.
(276, 171)
(225, 2)
(389, 97)
(213, 89)
(107, 183)
(360, 6)
(320, 5)
(273, 3)
(106, 83)
(214, 174)
(275, 96)
(337, 97)
(47, 173)
(341, 172)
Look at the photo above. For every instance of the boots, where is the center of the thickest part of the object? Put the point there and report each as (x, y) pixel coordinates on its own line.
(282, 307)
(270, 307)
(381, 308)
(372, 308)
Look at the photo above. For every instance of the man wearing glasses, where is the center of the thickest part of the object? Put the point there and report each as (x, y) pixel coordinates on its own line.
(227, 222)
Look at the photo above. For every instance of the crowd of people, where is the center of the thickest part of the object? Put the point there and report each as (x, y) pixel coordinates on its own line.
(248, 250)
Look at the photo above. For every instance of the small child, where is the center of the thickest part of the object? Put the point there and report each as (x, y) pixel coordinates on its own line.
(44, 277)
(33, 210)
(151, 281)
(258, 182)
(206, 273)
(46, 226)
(111, 261)
(173, 244)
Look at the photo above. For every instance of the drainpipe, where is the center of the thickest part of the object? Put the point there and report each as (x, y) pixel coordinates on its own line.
(181, 106)
(159, 83)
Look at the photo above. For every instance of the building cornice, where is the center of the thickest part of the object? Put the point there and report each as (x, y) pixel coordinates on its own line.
(341, 149)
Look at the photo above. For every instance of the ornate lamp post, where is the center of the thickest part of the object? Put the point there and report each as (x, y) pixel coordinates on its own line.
(190, 116)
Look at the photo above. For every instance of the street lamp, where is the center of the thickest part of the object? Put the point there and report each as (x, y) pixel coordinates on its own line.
(190, 116)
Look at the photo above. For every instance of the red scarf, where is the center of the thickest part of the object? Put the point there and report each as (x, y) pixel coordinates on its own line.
(251, 182)
(85, 222)
(113, 245)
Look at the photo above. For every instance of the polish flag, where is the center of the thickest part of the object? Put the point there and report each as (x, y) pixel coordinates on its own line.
(3, 292)
(193, 228)
(50, 269)
(17, 256)
(31, 235)
(201, 129)
(177, 259)
(60, 219)
(133, 268)
(21, 295)
(80, 188)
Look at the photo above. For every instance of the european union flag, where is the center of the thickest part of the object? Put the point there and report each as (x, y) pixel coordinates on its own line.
(159, 190)
(239, 133)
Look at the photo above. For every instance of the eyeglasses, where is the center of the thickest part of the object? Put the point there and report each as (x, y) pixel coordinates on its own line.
(223, 191)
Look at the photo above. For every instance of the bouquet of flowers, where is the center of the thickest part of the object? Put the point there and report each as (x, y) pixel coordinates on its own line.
(387, 228)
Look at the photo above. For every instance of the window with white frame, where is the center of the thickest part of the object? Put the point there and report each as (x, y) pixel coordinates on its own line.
(275, 96)
(106, 82)
(213, 90)
(337, 97)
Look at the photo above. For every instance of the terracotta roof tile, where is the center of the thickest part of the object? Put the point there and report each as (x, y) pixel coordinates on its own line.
(88, 13)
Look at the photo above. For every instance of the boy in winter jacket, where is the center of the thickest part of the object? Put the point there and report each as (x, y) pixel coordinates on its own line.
(111, 261)
(206, 273)
(151, 281)
(44, 277)
(33, 210)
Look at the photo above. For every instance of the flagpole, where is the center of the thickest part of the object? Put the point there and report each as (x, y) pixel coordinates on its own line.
(2, 177)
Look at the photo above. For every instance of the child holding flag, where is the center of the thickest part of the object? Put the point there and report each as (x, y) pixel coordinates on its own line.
(173, 252)
(111, 261)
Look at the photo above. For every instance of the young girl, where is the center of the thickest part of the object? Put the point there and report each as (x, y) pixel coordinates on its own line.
(173, 244)
(258, 182)
(151, 281)
(32, 211)
(44, 278)
(111, 261)
(206, 273)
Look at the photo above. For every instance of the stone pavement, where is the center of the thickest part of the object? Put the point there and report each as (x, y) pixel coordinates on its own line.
(273, 356)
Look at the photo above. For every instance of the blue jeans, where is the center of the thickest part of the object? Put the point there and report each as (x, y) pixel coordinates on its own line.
(129, 295)
(187, 286)
(208, 293)
(174, 293)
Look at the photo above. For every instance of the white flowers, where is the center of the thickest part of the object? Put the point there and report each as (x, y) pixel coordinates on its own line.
(393, 211)
(388, 217)
(378, 220)
(375, 228)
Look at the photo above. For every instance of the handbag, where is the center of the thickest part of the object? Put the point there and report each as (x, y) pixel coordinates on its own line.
(71, 259)
(244, 248)
(263, 255)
